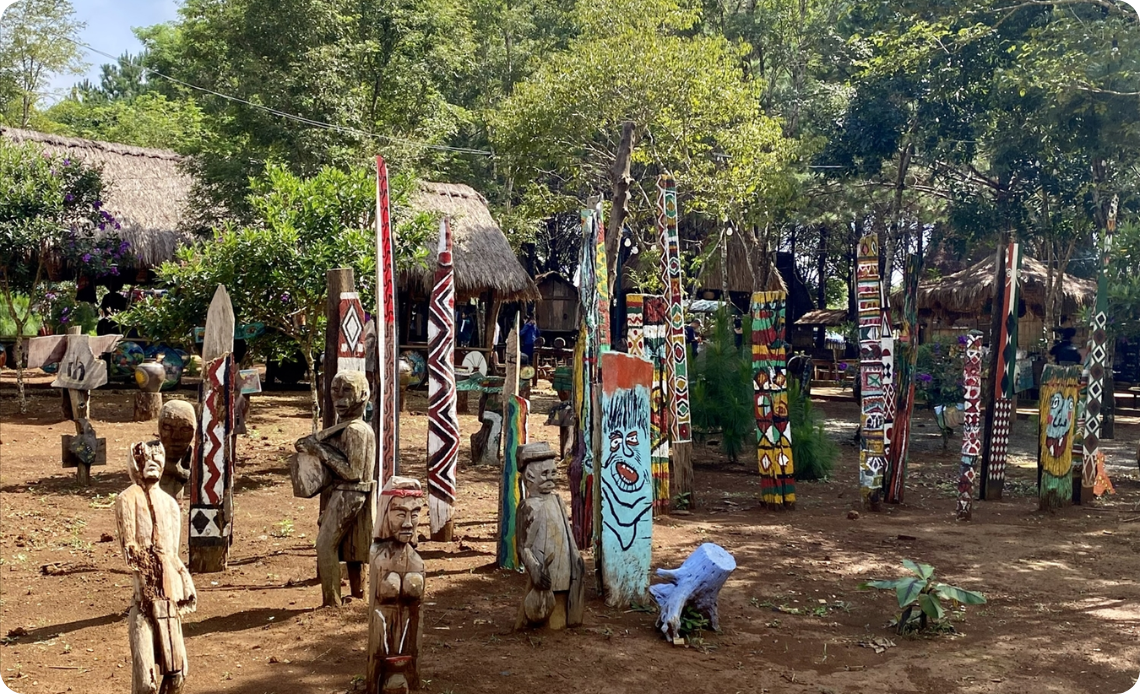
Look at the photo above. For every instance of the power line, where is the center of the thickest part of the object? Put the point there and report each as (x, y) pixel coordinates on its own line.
(291, 116)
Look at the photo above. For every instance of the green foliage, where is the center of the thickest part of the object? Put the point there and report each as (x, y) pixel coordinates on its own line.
(34, 46)
(146, 120)
(920, 597)
(8, 326)
(693, 623)
(1124, 282)
(721, 388)
(813, 452)
(938, 375)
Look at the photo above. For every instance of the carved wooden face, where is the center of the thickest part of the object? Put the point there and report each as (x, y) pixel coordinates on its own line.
(402, 518)
(540, 476)
(177, 426)
(350, 393)
(148, 459)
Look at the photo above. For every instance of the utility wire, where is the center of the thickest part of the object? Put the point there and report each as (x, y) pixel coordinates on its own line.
(291, 116)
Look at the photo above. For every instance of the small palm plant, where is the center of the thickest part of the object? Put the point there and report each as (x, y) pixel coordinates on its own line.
(920, 596)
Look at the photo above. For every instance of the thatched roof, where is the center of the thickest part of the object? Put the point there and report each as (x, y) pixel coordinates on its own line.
(147, 190)
(968, 291)
(823, 316)
(483, 257)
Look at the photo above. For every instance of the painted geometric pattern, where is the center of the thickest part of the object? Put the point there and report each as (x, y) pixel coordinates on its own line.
(872, 419)
(999, 438)
(350, 338)
(1000, 401)
(387, 395)
(1098, 358)
(654, 320)
(443, 423)
(213, 469)
(1060, 389)
(971, 423)
(634, 321)
(1079, 428)
(887, 345)
(908, 344)
(671, 245)
(769, 384)
(515, 434)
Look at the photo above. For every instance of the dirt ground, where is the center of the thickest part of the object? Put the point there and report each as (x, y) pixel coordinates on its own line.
(1062, 615)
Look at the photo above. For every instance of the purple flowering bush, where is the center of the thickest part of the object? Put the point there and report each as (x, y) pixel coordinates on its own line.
(938, 371)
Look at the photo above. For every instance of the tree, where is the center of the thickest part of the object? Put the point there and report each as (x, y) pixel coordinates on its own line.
(51, 214)
(146, 120)
(275, 268)
(36, 41)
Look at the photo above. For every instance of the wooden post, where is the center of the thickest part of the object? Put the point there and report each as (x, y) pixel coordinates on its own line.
(1000, 387)
(971, 424)
(515, 411)
(492, 321)
(1060, 386)
(868, 291)
(212, 477)
(769, 379)
(340, 280)
(386, 407)
(443, 423)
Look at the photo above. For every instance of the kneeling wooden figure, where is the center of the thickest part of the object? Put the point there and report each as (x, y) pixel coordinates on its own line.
(396, 587)
(555, 591)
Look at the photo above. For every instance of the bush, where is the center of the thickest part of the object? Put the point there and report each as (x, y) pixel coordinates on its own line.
(813, 452)
(722, 398)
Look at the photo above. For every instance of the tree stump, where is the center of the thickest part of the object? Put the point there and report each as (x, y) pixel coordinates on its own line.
(697, 582)
(147, 406)
(485, 442)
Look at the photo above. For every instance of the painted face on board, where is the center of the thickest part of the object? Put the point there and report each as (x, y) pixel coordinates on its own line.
(1060, 421)
(626, 481)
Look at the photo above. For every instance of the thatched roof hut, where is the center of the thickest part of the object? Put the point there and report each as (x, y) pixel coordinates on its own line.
(968, 292)
(147, 190)
(484, 260)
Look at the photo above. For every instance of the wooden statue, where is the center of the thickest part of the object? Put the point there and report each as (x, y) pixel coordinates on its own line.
(697, 582)
(212, 476)
(80, 372)
(177, 427)
(443, 422)
(148, 519)
(625, 479)
(396, 582)
(555, 595)
(343, 457)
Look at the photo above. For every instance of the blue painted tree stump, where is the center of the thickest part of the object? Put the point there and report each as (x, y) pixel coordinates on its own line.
(696, 582)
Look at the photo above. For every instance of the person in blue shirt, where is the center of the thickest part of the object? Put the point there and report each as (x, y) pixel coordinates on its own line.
(527, 335)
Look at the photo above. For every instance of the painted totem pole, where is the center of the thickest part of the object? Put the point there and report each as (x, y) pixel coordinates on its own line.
(585, 366)
(904, 389)
(999, 402)
(678, 364)
(515, 434)
(212, 477)
(871, 452)
(1097, 361)
(770, 385)
(625, 478)
(647, 340)
(443, 422)
(971, 423)
(386, 406)
(887, 345)
(1060, 386)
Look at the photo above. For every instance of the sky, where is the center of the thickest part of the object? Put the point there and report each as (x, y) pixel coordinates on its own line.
(108, 29)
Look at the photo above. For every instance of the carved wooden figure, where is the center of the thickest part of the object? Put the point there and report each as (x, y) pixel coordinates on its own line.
(555, 595)
(626, 479)
(177, 427)
(148, 520)
(80, 372)
(697, 582)
(345, 453)
(396, 587)
(212, 477)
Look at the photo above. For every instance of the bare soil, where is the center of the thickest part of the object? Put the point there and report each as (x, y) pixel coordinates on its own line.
(1062, 615)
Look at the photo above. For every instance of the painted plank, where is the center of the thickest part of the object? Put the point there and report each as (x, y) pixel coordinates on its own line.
(386, 407)
(971, 424)
(515, 434)
(656, 345)
(872, 416)
(769, 384)
(1060, 386)
(443, 422)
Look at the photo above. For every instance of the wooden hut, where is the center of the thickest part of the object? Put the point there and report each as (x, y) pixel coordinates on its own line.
(486, 268)
(557, 314)
(964, 300)
(147, 191)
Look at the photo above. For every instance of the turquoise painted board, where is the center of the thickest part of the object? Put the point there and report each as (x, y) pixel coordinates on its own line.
(625, 478)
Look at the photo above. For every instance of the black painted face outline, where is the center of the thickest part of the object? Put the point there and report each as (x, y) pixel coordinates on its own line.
(622, 438)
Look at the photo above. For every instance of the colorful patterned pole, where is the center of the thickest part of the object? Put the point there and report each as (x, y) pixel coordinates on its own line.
(971, 423)
(770, 385)
(999, 411)
(679, 369)
(386, 407)
(656, 346)
(443, 423)
(908, 339)
(1098, 358)
(582, 465)
(867, 293)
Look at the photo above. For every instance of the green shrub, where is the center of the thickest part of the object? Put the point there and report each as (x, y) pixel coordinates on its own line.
(721, 395)
(813, 452)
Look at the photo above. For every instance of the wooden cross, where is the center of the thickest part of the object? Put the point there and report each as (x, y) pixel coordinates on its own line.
(80, 371)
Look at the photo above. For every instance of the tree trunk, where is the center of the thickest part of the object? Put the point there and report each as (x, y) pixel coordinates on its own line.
(20, 368)
(620, 178)
(147, 406)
